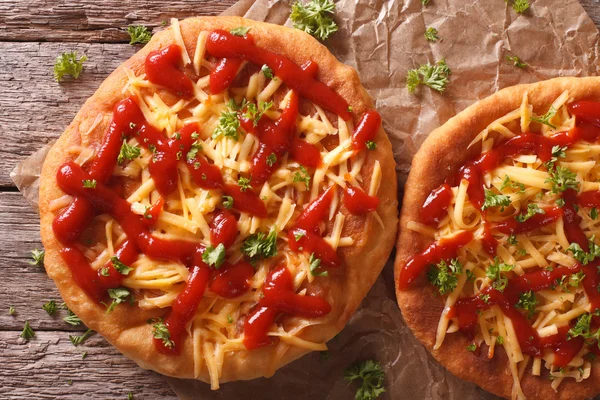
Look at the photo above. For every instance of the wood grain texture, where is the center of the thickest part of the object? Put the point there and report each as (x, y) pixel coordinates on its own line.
(50, 367)
(103, 21)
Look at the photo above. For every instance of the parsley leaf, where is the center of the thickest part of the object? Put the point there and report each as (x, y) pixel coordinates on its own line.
(314, 18)
(445, 276)
(370, 376)
(495, 200)
(12, 311)
(120, 267)
(545, 119)
(425, 2)
(532, 209)
(37, 257)
(575, 279)
(268, 72)
(196, 147)
(431, 34)
(500, 340)
(494, 273)
(528, 302)
(517, 62)
(593, 213)
(562, 179)
(508, 183)
(472, 347)
(371, 145)
(139, 34)
(260, 245)
(77, 340)
(118, 296)
(128, 152)
(50, 307)
(254, 113)
(89, 183)
(582, 326)
(271, 160)
(71, 318)
(244, 183)
(27, 332)
(583, 257)
(161, 331)
(315, 264)
(302, 176)
(68, 64)
(240, 31)
(435, 76)
(228, 125)
(227, 202)
(214, 256)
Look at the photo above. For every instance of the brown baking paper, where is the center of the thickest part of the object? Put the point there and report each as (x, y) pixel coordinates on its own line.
(382, 40)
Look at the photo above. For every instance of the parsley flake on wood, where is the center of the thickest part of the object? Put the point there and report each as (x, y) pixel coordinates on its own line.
(435, 76)
(314, 18)
(431, 34)
(562, 179)
(520, 6)
(315, 264)
(118, 296)
(77, 340)
(161, 331)
(119, 266)
(89, 183)
(71, 318)
(37, 257)
(260, 245)
(27, 332)
(425, 2)
(50, 307)
(12, 311)
(528, 302)
(68, 64)
(370, 376)
(532, 209)
(495, 200)
(445, 276)
(139, 34)
(517, 62)
(302, 176)
(128, 152)
(239, 31)
(494, 273)
(214, 256)
(546, 118)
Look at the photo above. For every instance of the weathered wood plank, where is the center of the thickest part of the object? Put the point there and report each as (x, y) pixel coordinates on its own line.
(49, 366)
(26, 287)
(91, 20)
(34, 109)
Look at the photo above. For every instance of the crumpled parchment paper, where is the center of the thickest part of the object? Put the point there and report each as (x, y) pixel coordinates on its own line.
(383, 40)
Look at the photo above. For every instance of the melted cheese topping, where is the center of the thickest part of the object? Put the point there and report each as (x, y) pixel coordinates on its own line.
(216, 328)
(542, 248)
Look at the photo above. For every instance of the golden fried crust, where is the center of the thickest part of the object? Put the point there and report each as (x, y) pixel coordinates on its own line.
(126, 327)
(440, 156)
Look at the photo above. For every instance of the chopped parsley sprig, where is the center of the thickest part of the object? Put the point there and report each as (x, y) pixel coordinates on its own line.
(77, 340)
(546, 118)
(37, 257)
(445, 276)
(214, 256)
(370, 376)
(315, 18)
(128, 152)
(50, 307)
(561, 179)
(260, 245)
(435, 76)
(532, 209)
(517, 62)
(431, 34)
(585, 257)
(118, 296)
(528, 302)
(495, 273)
(139, 34)
(27, 332)
(161, 331)
(495, 200)
(68, 64)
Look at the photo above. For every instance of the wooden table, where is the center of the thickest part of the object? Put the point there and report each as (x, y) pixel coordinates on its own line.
(34, 110)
